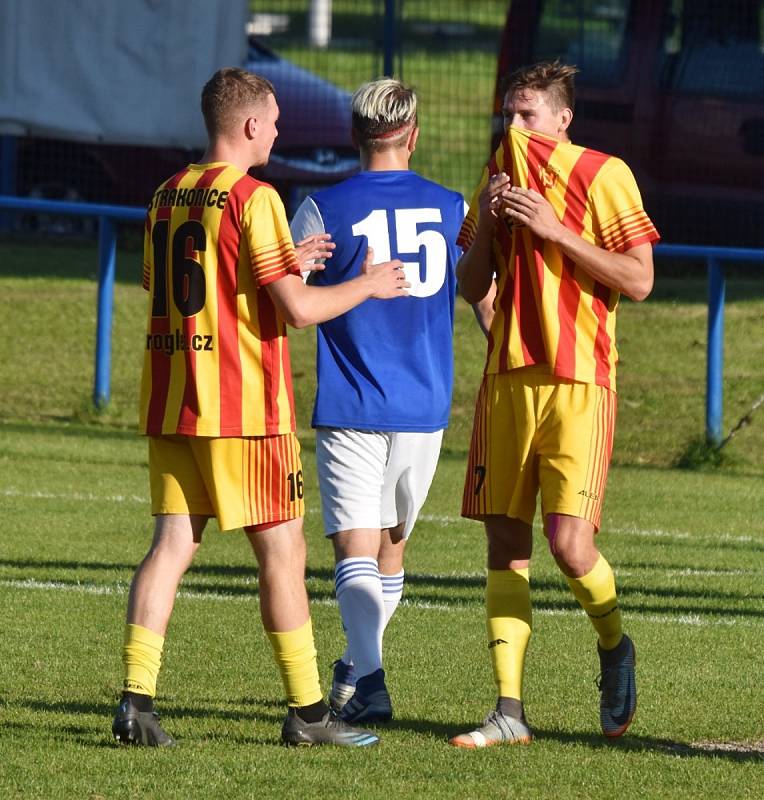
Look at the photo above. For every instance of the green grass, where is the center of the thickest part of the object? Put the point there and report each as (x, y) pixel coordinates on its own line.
(688, 548)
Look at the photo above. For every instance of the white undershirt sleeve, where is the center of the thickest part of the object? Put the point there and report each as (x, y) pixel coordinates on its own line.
(306, 221)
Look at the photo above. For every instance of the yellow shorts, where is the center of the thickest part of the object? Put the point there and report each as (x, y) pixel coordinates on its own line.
(242, 482)
(535, 431)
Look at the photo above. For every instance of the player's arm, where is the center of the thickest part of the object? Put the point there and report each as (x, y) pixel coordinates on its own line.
(474, 270)
(630, 272)
(300, 304)
(483, 309)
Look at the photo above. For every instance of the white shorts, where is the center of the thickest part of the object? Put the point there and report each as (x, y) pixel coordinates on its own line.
(374, 479)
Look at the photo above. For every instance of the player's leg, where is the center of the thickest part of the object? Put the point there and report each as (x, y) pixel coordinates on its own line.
(574, 456)
(272, 516)
(408, 472)
(280, 552)
(360, 596)
(351, 468)
(508, 623)
(391, 574)
(408, 476)
(181, 506)
(391, 571)
(500, 489)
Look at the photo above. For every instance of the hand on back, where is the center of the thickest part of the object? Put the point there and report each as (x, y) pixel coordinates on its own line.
(388, 277)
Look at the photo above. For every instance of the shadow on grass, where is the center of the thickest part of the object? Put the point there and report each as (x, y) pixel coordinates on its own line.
(629, 743)
(69, 427)
(269, 710)
(438, 590)
(273, 711)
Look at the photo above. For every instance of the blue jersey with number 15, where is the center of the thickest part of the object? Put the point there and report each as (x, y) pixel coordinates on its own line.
(387, 364)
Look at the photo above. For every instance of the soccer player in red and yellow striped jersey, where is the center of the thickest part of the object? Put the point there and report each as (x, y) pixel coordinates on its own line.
(216, 361)
(555, 233)
(223, 278)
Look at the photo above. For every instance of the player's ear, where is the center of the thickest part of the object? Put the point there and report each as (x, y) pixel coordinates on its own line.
(354, 139)
(413, 137)
(566, 117)
(250, 127)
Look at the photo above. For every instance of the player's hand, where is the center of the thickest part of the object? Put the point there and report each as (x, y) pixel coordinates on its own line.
(313, 250)
(494, 191)
(388, 278)
(528, 207)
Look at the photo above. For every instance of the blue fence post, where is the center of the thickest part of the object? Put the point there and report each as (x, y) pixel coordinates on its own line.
(715, 357)
(389, 38)
(7, 174)
(107, 257)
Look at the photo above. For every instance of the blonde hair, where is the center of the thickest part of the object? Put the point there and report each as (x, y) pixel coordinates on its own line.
(553, 77)
(384, 112)
(228, 95)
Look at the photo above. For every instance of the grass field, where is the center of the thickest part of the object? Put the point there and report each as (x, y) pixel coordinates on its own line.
(688, 547)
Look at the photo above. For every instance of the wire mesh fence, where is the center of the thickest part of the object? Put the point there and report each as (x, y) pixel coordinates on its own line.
(675, 87)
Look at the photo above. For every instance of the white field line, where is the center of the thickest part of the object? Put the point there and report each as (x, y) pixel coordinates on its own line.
(443, 520)
(120, 589)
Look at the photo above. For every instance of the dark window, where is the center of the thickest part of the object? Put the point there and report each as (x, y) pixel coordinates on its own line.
(715, 48)
(588, 33)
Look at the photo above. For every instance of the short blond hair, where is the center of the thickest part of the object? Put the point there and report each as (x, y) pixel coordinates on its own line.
(384, 112)
(228, 95)
(553, 77)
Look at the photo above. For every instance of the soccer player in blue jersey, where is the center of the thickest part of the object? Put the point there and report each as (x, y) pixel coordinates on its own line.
(385, 373)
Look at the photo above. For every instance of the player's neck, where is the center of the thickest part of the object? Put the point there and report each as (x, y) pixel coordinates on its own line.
(387, 160)
(221, 150)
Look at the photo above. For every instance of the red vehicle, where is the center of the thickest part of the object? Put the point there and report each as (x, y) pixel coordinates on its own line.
(676, 89)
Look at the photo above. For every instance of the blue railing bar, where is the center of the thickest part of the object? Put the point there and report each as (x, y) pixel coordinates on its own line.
(75, 209)
(107, 256)
(107, 259)
(715, 358)
(106, 272)
(707, 252)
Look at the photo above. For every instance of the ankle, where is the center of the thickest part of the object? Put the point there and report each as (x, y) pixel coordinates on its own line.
(372, 682)
(313, 712)
(511, 707)
(142, 702)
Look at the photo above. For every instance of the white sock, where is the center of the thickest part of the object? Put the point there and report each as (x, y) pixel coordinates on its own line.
(392, 590)
(359, 593)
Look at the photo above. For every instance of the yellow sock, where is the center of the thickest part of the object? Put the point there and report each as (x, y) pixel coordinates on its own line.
(508, 612)
(597, 596)
(295, 655)
(142, 657)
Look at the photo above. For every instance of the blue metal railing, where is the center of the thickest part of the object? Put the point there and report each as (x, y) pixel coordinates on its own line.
(717, 287)
(107, 255)
(714, 256)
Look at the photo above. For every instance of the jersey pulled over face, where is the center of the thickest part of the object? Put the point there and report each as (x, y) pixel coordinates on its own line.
(548, 310)
(530, 110)
(216, 361)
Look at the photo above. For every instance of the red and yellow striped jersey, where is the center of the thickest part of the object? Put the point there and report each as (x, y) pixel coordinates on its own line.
(216, 360)
(548, 310)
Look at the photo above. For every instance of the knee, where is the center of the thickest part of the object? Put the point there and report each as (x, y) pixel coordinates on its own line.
(510, 543)
(178, 552)
(571, 543)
